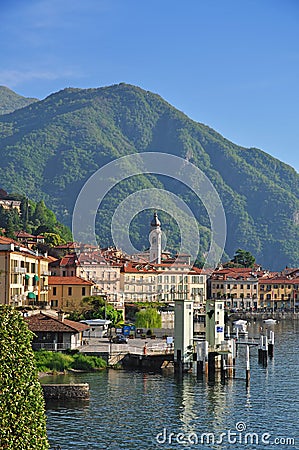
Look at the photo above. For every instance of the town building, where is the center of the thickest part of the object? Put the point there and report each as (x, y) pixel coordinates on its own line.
(280, 292)
(55, 332)
(237, 286)
(66, 293)
(169, 280)
(8, 202)
(93, 267)
(29, 240)
(23, 275)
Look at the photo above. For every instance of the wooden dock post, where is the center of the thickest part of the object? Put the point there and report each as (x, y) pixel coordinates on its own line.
(247, 366)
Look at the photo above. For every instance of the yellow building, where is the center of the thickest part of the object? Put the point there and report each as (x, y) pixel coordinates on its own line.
(237, 286)
(23, 275)
(66, 293)
(279, 293)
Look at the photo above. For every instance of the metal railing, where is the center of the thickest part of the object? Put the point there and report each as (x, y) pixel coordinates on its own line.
(56, 347)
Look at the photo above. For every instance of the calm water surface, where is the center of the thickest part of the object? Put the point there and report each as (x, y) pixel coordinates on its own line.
(131, 410)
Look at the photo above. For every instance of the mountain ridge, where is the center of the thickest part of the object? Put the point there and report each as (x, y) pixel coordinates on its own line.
(11, 101)
(72, 133)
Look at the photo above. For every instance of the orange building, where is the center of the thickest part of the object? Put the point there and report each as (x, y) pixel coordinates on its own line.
(66, 293)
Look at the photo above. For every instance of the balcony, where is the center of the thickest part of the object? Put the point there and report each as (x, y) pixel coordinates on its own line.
(20, 270)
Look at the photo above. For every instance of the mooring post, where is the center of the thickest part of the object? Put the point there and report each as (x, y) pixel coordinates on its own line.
(234, 354)
(247, 366)
(265, 351)
(230, 358)
(212, 366)
(200, 359)
(271, 344)
(260, 350)
(206, 355)
(223, 369)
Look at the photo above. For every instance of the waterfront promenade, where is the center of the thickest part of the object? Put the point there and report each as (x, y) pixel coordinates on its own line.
(114, 353)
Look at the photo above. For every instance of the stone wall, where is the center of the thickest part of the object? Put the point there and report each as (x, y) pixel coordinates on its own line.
(66, 391)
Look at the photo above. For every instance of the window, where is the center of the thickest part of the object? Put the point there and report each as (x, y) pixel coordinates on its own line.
(54, 303)
(70, 290)
(248, 286)
(54, 290)
(83, 291)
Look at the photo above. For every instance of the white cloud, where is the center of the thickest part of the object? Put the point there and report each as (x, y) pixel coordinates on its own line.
(13, 78)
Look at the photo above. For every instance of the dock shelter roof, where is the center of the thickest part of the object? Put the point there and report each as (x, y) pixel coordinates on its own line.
(96, 322)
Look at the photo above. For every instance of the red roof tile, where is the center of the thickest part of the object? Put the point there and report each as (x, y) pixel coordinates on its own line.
(46, 323)
(52, 280)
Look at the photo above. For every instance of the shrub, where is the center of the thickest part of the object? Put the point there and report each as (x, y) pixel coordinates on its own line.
(22, 408)
(49, 361)
(84, 362)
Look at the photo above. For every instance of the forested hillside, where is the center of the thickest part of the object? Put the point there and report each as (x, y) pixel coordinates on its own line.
(10, 101)
(51, 147)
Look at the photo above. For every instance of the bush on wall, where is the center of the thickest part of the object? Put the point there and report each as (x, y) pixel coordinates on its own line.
(22, 409)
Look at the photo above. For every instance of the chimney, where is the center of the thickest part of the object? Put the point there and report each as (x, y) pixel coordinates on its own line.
(60, 315)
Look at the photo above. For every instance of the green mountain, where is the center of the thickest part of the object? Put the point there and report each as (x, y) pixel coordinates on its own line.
(10, 101)
(51, 147)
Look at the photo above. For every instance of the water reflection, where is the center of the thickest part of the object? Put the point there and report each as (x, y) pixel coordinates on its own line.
(129, 409)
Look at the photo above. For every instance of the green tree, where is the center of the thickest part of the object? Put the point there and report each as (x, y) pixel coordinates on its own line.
(96, 307)
(243, 258)
(53, 239)
(22, 412)
(148, 318)
(44, 216)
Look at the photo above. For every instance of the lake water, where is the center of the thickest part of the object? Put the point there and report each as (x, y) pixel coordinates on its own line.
(131, 410)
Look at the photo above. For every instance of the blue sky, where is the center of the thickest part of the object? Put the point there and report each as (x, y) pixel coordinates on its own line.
(231, 64)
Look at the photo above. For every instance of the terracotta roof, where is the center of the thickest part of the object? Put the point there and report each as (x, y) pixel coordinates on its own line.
(280, 280)
(45, 323)
(6, 240)
(68, 280)
(51, 258)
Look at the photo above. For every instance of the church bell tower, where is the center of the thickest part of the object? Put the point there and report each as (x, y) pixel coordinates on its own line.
(155, 238)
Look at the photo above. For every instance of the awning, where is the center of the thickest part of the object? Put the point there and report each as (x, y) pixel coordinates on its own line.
(35, 278)
(27, 276)
(31, 295)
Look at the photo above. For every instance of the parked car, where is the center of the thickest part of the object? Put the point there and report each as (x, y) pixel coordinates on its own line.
(119, 339)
